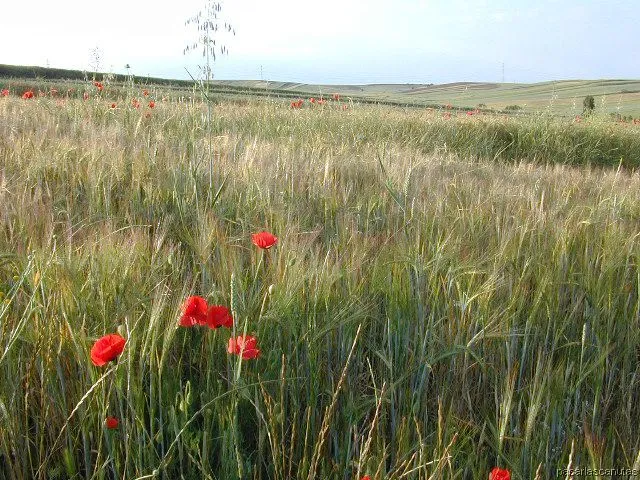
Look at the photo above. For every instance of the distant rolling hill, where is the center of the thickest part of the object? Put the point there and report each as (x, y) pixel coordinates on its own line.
(562, 96)
(559, 97)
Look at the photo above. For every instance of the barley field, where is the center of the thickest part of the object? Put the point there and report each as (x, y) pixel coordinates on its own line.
(448, 293)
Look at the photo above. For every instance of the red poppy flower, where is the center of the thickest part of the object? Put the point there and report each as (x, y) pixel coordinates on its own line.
(312, 100)
(245, 346)
(113, 105)
(264, 240)
(152, 104)
(98, 85)
(194, 312)
(336, 96)
(366, 477)
(135, 103)
(219, 316)
(85, 96)
(145, 92)
(27, 95)
(112, 423)
(499, 474)
(106, 349)
(54, 92)
(5, 92)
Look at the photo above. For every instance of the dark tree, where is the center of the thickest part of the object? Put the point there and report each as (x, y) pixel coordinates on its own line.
(588, 105)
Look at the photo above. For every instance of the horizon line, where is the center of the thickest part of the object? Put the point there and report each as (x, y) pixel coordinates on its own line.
(459, 82)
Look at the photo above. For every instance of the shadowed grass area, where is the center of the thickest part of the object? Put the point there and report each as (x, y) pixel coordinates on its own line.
(430, 310)
(540, 139)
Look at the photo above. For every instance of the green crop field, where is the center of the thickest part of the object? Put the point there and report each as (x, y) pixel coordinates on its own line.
(559, 98)
(448, 292)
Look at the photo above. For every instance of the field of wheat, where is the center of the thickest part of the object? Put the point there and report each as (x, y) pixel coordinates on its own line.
(448, 293)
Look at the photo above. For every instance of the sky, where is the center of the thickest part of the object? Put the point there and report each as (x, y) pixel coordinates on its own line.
(335, 41)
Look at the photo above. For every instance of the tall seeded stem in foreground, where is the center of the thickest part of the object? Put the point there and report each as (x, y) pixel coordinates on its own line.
(374, 423)
(329, 412)
(207, 24)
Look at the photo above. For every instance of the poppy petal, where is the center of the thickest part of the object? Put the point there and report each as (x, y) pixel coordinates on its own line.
(112, 423)
(264, 240)
(194, 312)
(107, 348)
(219, 316)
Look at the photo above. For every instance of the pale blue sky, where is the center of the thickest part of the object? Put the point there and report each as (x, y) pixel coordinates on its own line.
(339, 41)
